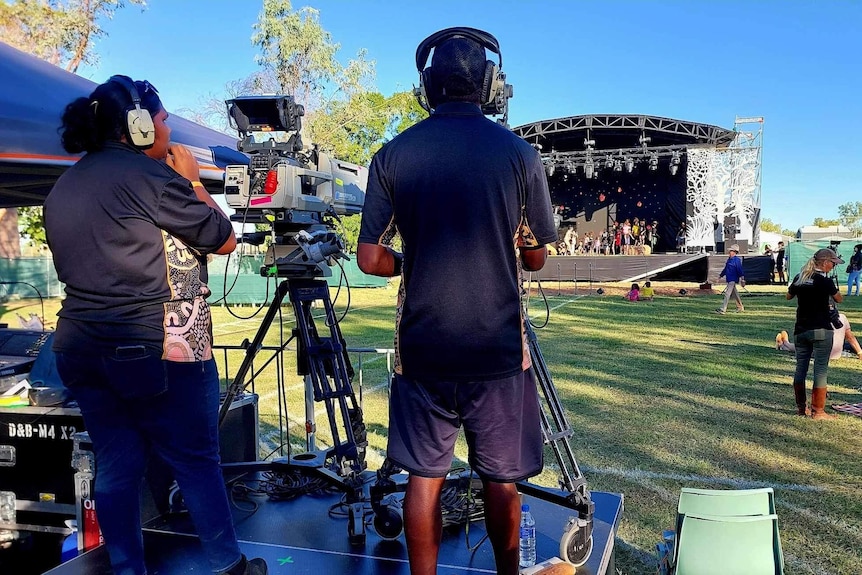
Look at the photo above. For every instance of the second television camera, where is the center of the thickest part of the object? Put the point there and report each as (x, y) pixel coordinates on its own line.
(289, 186)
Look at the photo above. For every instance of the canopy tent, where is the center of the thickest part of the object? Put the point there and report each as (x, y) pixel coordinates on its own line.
(33, 95)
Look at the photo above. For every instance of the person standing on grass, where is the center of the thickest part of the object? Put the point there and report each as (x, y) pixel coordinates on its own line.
(813, 332)
(734, 275)
(470, 201)
(779, 263)
(854, 270)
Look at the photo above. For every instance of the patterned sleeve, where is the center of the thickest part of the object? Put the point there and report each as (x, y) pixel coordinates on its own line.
(378, 223)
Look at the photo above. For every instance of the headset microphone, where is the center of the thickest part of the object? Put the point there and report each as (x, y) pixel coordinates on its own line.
(495, 91)
(139, 123)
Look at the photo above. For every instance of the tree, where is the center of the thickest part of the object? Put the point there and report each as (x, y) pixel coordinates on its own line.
(344, 115)
(850, 215)
(821, 223)
(59, 31)
(768, 225)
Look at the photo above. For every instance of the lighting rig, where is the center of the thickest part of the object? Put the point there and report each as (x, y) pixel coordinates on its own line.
(622, 158)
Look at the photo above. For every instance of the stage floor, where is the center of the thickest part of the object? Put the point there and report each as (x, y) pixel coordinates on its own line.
(307, 535)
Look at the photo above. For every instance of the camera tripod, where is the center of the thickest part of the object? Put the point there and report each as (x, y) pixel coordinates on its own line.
(324, 362)
(576, 543)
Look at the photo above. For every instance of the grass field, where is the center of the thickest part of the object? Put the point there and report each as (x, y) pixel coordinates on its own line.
(661, 394)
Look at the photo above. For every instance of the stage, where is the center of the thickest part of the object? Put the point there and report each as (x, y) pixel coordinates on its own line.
(309, 535)
(603, 269)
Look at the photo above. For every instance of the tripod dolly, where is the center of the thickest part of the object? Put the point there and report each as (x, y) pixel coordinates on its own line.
(576, 543)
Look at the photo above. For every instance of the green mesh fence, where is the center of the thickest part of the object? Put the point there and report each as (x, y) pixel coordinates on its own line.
(801, 251)
(240, 277)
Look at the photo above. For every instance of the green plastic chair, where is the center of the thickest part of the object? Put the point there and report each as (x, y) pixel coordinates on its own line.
(713, 545)
(722, 503)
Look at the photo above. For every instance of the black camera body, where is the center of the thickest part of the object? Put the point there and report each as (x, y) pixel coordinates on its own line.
(833, 317)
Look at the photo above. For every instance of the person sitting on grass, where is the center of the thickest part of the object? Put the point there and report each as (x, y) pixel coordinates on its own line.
(633, 294)
(648, 293)
(843, 341)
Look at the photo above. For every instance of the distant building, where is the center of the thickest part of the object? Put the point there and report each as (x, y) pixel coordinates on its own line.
(839, 233)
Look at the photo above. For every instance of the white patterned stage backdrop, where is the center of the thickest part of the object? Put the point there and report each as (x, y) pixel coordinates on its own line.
(720, 184)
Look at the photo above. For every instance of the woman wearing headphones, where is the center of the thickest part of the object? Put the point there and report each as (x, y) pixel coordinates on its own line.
(130, 227)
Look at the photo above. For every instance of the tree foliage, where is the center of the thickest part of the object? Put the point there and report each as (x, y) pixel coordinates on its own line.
(344, 114)
(850, 215)
(768, 225)
(822, 223)
(31, 225)
(59, 31)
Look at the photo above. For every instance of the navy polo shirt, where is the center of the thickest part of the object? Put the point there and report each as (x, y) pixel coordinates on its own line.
(455, 186)
(129, 239)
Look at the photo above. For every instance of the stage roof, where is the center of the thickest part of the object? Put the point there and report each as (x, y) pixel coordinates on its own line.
(620, 132)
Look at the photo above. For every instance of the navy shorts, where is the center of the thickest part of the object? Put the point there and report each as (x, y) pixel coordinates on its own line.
(501, 423)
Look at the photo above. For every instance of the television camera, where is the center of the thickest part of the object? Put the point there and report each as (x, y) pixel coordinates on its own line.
(288, 186)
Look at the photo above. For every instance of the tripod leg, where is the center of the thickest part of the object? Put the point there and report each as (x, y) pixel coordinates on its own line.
(238, 384)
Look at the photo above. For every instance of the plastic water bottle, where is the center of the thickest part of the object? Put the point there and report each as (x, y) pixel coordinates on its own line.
(527, 543)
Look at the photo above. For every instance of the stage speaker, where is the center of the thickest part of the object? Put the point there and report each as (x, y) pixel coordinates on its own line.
(719, 247)
(239, 432)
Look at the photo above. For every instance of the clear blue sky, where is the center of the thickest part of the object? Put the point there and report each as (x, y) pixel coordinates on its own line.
(796, 63)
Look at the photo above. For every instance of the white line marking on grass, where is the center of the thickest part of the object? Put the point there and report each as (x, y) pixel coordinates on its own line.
(637, 474)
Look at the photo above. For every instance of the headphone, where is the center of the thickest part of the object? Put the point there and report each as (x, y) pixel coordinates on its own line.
(495, 91)
(139, 123)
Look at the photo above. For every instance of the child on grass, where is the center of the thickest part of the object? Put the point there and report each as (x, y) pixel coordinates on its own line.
(633, 294)
(647, 293)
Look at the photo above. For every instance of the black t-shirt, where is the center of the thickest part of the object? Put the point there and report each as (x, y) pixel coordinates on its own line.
(129, 239)
(813, 297)
(453, 186)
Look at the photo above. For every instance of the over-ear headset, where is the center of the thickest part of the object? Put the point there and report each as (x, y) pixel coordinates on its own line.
(495, 91)
(139, 123)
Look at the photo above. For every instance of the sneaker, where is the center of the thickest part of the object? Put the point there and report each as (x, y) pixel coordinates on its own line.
(778, 340)
(740, 309)
(719, 311)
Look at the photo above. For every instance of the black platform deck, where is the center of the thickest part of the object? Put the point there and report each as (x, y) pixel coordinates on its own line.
(302, 536)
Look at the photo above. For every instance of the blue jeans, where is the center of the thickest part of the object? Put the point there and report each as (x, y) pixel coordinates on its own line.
(134, 404)
(808, 345)
(854, 279)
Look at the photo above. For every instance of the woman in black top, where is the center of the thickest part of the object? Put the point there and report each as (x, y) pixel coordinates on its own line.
(813, 330)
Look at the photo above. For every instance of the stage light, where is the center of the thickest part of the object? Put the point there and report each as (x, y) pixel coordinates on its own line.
(549, 168)
(630, 164)
(653, 162)
(600, 291)
(674, 163)
(589, 168)
(618, 166)
(609, 162)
